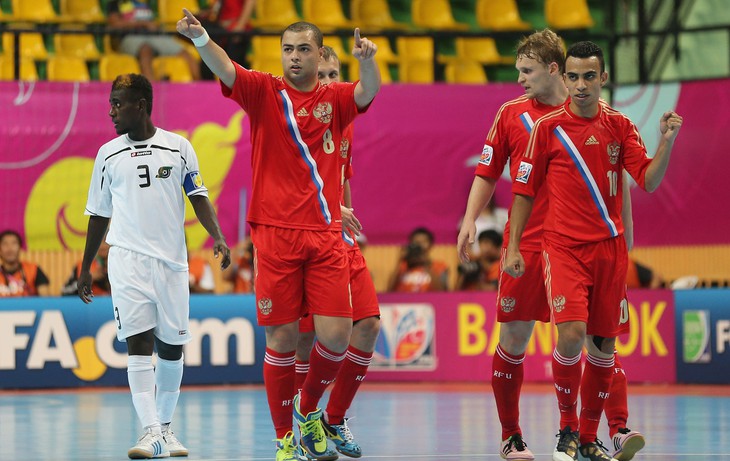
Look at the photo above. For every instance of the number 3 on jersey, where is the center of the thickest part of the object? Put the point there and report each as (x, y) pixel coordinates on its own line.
(328, 144)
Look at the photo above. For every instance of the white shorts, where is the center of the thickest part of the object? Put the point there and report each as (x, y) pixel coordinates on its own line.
(147, 294)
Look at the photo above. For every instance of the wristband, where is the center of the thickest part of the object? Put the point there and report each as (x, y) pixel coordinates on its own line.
(202, 40)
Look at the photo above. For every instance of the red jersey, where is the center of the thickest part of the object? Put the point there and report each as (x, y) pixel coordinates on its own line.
(295, 162)
(507, 139)
(581, 161)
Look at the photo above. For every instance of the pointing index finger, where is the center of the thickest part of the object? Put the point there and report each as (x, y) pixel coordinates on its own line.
(190, 16)
(357, 36)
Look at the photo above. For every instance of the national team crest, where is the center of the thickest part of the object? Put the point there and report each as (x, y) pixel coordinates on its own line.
(508, 304)
(614, 151)
(265, 306)
(487, 153)
(523, 173)
(559, 303)
(344, 147)
(323, 112)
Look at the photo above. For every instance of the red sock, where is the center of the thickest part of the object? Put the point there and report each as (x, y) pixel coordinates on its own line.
(301, 374)
(594, 390)
(351, 375)
(566, 376)
(617, 408)
(507, 376)
(323, 367)
(279, 384)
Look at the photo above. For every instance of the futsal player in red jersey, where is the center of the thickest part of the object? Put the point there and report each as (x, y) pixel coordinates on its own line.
(522, 301)
(578, 152)
(295, 218)
(365, 308)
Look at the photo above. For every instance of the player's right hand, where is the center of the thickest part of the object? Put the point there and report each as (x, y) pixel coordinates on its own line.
(189, 26)
(84, 287)
(464, 241)
(350, 221)
(514, 264)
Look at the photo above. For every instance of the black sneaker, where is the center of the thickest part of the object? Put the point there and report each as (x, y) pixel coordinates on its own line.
(514, 449)
(595, 452)
(567, 447)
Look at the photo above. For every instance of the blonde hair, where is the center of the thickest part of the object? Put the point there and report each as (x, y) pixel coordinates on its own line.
(544, 46)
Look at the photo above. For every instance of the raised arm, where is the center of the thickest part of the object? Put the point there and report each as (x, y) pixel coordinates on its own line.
(364, 51)
(669, 125)
(207, 217)
(481, 192)
(213, 55)
(514, 264)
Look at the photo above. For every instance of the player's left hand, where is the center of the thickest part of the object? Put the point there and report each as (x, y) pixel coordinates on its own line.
(514, 264)
(220, 247)
(363, 48)
(350, 221)
(84, 287)
(669, 125)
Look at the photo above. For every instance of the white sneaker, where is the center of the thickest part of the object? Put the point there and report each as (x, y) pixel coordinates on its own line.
(626, 443)
(173, 444)
(149, 446)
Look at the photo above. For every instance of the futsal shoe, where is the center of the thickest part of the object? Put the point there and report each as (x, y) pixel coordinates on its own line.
(567, 447)
(288, 450)
(313, 440)
(514, 449)
(594, 452)
(626, 443)
(149, 446)
(342, 437)
(173, 444)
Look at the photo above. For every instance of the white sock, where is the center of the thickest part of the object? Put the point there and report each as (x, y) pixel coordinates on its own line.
(168, 376)
(141, 376)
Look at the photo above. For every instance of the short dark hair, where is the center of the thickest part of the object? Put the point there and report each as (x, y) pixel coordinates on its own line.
(7, 232)
(137, 86)
(329, 53)
(303, 26)
(584, 50)
(490, 235)
(424, 231)
(544, 46)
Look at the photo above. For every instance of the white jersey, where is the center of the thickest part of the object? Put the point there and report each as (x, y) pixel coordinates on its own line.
(137, 184)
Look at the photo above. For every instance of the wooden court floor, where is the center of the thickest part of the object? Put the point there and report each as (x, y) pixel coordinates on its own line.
(402, 422)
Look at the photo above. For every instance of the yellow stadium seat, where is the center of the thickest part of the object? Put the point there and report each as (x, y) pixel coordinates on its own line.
(385, 51)
(31, 45)
(277, 14)
(500, 15)
(415, 48)
(354, 71)
(335, 43)
(480, 49)
(111, 65)
(266, 47)
(67, 69)
(568, 14)
(416, 71)
(170, 11)
(465, 71)
(86, 11)
(373, 15)
(77, 45)
(434, 14)
(326, 14)
(34, 11)
(28, 70)
(272, 66)
(171, 68)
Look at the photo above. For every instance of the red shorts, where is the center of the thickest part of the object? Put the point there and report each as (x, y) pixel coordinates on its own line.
(294, 268)
(523, 298)
(362, 290)
(587, 283)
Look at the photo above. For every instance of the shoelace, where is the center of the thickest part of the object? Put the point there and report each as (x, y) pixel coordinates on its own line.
(565, 440)
(601, 445)
(346, 434)
(517, 442)
(624, 430)
(286, 444)
(311, 427)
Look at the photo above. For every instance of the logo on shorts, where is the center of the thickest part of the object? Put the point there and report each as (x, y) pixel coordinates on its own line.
(614, 150)
(164, 172)
(508, 304)
(487, 153)
(323, 112)
(182, 332)
(523, 173)
(265, 306)
(559, 303)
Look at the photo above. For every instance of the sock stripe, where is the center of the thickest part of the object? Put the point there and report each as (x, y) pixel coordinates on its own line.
(567, 361)
(279, 361)
(328, 355)
(511, 360)
(302, 367)
(359, 359)
(600, 361)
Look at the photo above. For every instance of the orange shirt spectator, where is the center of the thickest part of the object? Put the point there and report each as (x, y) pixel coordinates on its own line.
(19, 278)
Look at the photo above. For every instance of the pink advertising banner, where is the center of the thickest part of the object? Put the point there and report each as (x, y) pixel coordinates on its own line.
(414, 155)
(452, 337)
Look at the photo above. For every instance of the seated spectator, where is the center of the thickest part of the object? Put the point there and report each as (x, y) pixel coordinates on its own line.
(19, 278)
(482, 273)
(99, 276)
(416, 271)
(641, 276)
(240, 273)
(222, 18)
(137, 16)
(201, 275)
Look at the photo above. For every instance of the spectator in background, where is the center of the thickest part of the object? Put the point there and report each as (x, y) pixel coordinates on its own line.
(641, 276)
(99, 275)
(416, 271)
(240, 273)
(19, 278)
(200, 275)
(222, 18)
(145, 43)
(483, 272)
